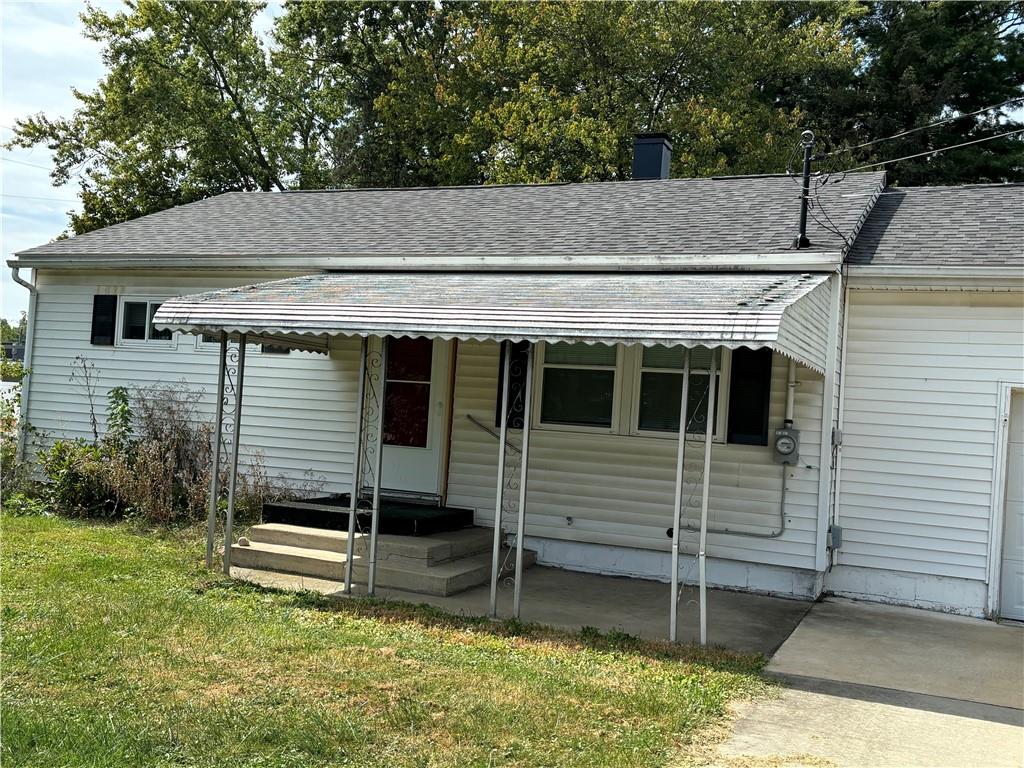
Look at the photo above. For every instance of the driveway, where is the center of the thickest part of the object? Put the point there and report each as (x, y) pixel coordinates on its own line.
(870, 685)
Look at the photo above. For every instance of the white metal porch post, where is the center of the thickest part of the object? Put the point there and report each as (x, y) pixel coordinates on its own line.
(233, 477)
(704, 499)
(211, 520)
(677, 506)
(525, 459)
(502, 437)
(357, 465)
(378, 458)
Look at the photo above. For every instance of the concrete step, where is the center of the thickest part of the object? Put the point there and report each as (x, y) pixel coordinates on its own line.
(431, 550)
(393, 572)
(318, 563)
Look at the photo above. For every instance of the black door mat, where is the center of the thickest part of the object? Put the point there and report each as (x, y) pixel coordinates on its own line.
(401, 518)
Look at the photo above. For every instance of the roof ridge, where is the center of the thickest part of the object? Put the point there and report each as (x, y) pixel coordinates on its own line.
(539, 184)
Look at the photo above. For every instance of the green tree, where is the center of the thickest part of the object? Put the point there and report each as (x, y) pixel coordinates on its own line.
(179, 116)
(13, 331)
(925, 62)
(195, 102)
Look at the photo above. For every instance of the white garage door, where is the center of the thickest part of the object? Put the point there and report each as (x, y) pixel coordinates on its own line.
(1011, 598)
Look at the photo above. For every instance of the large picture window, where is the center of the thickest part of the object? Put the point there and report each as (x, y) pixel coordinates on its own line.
(660, 387)
(578, 386)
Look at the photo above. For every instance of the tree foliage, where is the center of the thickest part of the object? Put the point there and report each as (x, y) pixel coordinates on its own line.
(927, 62)
(13, 331)
(197, 101)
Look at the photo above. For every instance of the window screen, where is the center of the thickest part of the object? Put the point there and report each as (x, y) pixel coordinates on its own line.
(578, 384)
(661, 383)
(135, 320)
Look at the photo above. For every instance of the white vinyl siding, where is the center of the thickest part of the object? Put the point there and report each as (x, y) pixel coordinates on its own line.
(298, 409)
(920, 400)
(617, 489)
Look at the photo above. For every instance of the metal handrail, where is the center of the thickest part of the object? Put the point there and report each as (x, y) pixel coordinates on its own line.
(491, 432)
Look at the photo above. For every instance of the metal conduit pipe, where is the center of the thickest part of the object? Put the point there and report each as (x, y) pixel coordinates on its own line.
(790, 399)
(790, 392)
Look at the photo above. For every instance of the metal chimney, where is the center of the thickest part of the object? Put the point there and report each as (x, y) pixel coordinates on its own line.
(652, 155)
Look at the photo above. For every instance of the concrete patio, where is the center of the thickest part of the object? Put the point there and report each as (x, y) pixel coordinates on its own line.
(572, 600)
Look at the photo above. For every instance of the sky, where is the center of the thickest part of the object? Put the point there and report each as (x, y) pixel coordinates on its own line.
(43, 55)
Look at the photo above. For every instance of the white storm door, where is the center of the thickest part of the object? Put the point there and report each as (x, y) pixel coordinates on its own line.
(1011, 590)
(415, 415)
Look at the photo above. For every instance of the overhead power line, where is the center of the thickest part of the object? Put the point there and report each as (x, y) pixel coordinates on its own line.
(920, 128)
(23, 162)
(36, 197)
(931, 151)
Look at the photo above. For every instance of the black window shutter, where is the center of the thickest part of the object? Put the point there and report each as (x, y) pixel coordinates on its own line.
(104, 318)
(749, 395)
(517, 385)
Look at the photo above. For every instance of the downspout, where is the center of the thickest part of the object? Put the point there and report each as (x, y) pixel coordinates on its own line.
(26, 388)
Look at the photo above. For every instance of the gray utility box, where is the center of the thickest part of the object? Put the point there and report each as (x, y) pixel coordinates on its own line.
(786, 446)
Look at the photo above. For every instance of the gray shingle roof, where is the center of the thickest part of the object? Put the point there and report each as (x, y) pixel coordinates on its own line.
(944, 226)
(740, 215)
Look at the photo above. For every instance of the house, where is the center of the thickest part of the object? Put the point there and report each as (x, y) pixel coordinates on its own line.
(854, 392)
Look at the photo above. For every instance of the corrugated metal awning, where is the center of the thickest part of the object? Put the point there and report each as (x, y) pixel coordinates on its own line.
(785, 312)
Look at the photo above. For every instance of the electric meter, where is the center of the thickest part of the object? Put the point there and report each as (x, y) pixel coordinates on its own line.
(786, 445)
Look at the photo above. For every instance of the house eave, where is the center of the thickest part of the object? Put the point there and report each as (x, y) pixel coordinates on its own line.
(936, 277)
(797, 261)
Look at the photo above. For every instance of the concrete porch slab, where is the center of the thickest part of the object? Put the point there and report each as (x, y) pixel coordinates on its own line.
(909, 650)
(572, 600)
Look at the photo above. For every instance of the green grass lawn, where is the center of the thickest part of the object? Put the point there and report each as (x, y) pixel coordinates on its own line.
(119, 649)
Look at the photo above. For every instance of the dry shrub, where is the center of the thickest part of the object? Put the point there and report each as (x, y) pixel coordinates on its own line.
(163, 473)
(154, 462)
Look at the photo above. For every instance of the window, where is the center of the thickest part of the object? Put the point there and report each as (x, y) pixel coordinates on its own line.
(137, 323)
(407, 392)
(210, 342)
(578, 385)
(274, 349)
(660, 388)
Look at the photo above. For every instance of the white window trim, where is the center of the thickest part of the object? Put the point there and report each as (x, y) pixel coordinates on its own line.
(538, 398)
(626, 396)
(722, 417)
(120, 341)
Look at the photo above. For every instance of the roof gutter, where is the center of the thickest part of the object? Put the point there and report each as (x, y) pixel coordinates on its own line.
(26, 389)
(788, 261)
(933, 271)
